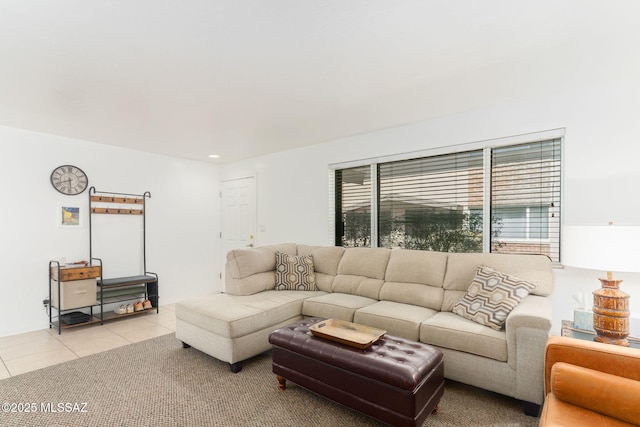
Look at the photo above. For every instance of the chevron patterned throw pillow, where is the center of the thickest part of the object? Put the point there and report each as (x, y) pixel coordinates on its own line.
(491, 297)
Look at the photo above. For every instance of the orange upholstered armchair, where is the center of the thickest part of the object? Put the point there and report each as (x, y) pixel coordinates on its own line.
(590, 384)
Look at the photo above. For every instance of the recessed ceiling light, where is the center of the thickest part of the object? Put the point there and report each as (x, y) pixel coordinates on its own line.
(213, 156)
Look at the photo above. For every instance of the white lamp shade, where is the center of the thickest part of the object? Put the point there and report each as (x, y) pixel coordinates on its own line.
(614, 248)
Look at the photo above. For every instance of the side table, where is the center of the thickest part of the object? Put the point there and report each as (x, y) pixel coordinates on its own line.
(568, 330)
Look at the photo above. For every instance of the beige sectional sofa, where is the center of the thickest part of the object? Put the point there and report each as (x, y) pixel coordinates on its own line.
(408, 293)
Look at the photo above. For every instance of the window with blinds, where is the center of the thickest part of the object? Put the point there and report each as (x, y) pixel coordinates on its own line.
(353, 206)
(503, 199)
(432, 203)
(525, 198)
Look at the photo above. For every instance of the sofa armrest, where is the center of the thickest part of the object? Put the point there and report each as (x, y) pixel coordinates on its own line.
(607, 358)
(532, 312)
(527, 329)
(249, 271)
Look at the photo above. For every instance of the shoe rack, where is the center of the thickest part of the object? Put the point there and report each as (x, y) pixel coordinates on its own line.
(122, 289)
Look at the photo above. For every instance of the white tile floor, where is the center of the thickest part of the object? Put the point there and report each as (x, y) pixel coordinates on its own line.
(34, 350)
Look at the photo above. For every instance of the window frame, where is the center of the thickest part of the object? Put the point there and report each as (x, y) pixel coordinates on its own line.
(486, 145)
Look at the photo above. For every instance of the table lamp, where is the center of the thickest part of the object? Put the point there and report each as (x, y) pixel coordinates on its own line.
(610, 248)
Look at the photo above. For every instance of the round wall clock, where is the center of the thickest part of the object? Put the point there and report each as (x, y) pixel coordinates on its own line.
(69, 180)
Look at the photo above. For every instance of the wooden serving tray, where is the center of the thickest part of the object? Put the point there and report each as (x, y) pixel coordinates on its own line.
(349, 333)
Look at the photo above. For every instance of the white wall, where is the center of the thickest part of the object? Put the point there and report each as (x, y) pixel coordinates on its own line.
(601, 170)
(182, 219)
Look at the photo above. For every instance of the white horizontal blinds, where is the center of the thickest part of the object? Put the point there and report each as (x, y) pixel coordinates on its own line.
(432, 203)
(353, 206)
(525, 198)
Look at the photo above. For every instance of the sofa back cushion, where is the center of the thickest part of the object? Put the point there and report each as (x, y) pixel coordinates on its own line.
(325, 261)
(415, 277)
(249, 271)
(361, 271)
(461, 269)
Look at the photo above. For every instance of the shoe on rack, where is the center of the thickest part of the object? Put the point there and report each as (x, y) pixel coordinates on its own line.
(121, 310)
(147, 304)
(138, 306)
(129, 308)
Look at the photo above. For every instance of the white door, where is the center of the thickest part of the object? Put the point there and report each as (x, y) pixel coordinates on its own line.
(238, 216)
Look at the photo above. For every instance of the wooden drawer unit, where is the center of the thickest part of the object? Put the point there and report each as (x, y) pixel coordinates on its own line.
(75, 273)
(74, 294)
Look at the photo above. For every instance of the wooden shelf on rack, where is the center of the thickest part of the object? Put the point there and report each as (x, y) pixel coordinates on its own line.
(116, 211)
(112, 199)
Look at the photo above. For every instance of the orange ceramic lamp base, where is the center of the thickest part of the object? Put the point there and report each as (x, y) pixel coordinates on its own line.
(611, 313)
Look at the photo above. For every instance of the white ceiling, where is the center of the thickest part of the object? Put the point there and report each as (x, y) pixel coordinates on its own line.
(241, 78)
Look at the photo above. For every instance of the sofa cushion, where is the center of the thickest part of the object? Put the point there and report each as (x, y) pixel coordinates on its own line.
(413, 266)
(366, 262)
(325, 263)
(295, 273)
(361, 272)
(412, 293)
(491, 297)
(451, 298)
(357, 285)
(249, 271)
(335, 306)
(398, 319)
(461, 268)
(448, 330)
(234, 316)
(415, 277)
(325, 258)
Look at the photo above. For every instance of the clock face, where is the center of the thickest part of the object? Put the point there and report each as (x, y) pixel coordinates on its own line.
(69, 180)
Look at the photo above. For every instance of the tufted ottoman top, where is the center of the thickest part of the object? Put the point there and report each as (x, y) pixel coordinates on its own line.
(396, 361)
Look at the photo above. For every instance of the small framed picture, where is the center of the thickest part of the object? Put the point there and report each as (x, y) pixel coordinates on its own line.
(68, 216)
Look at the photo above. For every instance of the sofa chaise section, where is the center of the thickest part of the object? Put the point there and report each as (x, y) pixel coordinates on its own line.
(235, 325)
(233, 328)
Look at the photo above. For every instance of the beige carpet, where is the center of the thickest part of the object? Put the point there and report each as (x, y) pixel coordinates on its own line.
(158, 383)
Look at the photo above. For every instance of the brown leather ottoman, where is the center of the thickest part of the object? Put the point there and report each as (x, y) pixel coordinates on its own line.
(395, 380)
